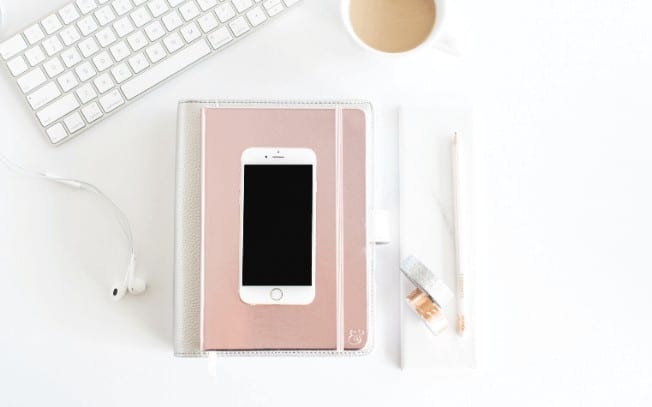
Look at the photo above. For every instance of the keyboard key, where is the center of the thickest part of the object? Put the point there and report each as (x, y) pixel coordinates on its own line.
(68, 14)
(138, 63)
(155, 31)
(225, 12)
(31, 80)
(173, 42)
(106, 37)
(123, 26)
(166, 68)
(156, 53)
(242, 5)
(70, 57)
(35, 55)
(174, 3)
(256, 16)
(43, 96)
(67, 81)
(86, 6)
(137, 41)
(56, 133)
(122, 7)
(273, 7)
(157, 7)
(207, 22)
(290, 3)
(220, 37)
(239, 26)
(57, 109)
(172, 20)
(85, 71)
(104, 15)
(141, 17)
(17, 66)
(69, 35)
(121, 73)
(102, 61)
(111, 101)
(190, 32)
(85, 93)
(87, 25)
(88, 47)
(120, 51)
(52, 45)
(34, 34)
(189, 10)
(92, 112)
(53, 67)
(74, 122)
(51, 24)
(103, 83)
(206, 4)
(12, 46)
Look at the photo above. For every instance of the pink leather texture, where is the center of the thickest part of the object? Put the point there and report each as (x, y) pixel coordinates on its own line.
(229, 323)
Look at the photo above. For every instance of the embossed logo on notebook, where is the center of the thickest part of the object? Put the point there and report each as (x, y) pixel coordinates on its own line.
(355, 336)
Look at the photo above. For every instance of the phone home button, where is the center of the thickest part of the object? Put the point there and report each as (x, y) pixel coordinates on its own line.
(276, 294)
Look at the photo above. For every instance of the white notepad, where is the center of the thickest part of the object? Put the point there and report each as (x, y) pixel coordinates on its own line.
(426, 223)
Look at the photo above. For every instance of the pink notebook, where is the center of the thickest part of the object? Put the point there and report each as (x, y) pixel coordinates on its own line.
(337, 319)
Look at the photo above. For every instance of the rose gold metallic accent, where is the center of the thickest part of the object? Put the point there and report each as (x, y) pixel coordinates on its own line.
(460, 324)
(424, 305)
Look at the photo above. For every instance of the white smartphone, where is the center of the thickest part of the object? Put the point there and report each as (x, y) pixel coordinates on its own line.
(278, 192)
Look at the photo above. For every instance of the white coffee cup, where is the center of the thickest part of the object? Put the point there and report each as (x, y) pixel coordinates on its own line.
(427, 43)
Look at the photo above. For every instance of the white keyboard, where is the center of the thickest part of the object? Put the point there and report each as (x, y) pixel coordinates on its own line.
(89, 59)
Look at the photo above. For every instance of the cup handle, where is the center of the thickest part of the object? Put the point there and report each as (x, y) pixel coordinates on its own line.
(446, 43)
(444, 40)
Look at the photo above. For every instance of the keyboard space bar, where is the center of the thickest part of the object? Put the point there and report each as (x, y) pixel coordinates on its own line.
(165, 69)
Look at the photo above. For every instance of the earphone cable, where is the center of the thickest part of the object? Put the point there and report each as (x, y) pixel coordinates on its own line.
(119, 214)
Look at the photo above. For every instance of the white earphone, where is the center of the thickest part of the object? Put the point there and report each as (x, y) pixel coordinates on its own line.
(130, 283)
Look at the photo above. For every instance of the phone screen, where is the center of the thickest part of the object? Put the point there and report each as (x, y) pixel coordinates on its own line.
(277, 225)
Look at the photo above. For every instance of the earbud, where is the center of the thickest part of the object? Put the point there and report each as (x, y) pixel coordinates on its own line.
(118, 291)
(137, 286)
(131, 284)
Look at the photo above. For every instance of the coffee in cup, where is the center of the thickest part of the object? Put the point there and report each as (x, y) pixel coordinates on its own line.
(392, 26)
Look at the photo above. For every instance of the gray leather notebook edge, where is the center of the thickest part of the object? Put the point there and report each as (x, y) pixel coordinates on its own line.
(187, 224)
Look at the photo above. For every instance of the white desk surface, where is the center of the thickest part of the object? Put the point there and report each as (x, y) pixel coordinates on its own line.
(561, 92)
